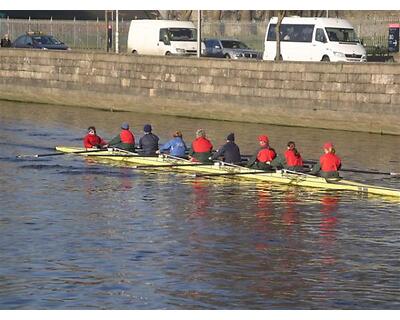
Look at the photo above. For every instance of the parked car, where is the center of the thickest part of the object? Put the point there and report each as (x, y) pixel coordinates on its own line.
(229, 49)
(38, 40)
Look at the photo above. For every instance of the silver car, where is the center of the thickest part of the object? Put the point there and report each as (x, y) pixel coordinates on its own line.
(229, 49)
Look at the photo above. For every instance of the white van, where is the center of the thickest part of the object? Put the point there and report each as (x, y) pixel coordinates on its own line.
(162, 37)
(314, 39)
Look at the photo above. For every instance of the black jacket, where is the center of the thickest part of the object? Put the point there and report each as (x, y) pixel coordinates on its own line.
(149, 144)
(229, 152)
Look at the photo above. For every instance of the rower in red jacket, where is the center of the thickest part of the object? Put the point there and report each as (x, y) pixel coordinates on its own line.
(201, 148)
(263, 160)
(125, 140)
(329, 163)
(293, 159)
(92, 140)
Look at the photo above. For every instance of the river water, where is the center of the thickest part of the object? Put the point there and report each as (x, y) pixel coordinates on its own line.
(78, 234)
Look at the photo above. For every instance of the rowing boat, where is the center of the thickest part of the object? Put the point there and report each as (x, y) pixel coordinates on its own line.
(280, 176)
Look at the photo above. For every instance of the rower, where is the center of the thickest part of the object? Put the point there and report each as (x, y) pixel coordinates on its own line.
(329, 164)
(293, 159)
(201, 148)
(92, 140)
(176, 146)
(149, 142)
(264, 157)
(124, 140)
(229, 152)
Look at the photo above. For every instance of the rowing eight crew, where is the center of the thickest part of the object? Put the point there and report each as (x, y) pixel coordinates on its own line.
(202, 151)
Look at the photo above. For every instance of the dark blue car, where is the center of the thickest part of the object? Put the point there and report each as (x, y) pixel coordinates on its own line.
(36, 40)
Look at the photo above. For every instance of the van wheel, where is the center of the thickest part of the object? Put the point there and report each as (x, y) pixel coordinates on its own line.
(325, 59)
(134, 52)
(168, 53)
(227, 56)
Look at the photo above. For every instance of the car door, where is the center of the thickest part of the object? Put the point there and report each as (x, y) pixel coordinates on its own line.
(213, 48)
(319, 46)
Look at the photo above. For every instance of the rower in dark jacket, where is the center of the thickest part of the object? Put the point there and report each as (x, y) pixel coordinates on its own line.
(149, 142)
(229, 152)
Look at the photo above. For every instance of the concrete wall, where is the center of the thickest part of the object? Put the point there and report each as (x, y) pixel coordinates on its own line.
(360, 97)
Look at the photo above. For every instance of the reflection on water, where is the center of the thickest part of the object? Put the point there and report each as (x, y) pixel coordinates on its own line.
(80, 234)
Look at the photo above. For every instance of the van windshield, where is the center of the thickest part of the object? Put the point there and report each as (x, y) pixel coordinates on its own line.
(182, 34)
(342, 35)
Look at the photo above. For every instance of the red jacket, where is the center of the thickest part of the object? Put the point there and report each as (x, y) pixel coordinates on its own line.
(292, 160)
(91, 140)
(127, 136)
(266, 155)
(330, 162)
(202, 145)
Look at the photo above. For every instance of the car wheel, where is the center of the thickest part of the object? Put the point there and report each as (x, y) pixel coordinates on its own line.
(168, 53)
(134, 52)
(227, 56)
(325, 59)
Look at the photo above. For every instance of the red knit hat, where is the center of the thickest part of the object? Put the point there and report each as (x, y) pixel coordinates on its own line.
(328, 145)
(263, 138)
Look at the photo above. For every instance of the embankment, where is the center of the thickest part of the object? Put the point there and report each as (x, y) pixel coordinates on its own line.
(359, 97)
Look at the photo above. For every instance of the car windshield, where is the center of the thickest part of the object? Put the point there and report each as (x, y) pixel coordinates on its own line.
(342, 35)
(233, 44)
(46, 40)
(182, 34)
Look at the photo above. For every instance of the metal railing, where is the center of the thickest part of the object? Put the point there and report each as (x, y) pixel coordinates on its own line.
(91, 35)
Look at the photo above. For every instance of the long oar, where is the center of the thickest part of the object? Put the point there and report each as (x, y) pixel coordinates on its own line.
(360, 170)
(57, 153)
(217, 174)
(171, 165)
(372, 172)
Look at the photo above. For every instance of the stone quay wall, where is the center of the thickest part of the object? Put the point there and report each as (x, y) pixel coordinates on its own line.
(345, 96)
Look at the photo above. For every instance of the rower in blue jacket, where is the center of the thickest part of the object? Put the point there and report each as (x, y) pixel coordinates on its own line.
(176, 146)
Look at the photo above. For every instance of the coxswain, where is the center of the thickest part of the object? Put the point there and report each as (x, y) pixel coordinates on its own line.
(125, 140)
(329, 164)
(293, 159)
(229, 152)
(148, 142)
(201, 148)
(264, 157)
(176, 146)
(92, 140)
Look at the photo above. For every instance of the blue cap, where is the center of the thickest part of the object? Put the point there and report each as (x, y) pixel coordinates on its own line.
(147, 128)
(125, 126)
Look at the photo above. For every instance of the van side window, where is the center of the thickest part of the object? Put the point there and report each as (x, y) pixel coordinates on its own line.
(292, 32)
(320, 36)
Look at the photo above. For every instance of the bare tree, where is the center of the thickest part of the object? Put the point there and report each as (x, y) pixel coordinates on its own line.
(281, 15)
(164, 14)
(245, 15)
(185, 15)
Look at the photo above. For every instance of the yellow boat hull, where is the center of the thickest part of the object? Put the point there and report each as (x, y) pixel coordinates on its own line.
(281, 177)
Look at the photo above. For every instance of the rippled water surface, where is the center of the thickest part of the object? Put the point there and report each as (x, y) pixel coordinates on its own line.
(78, 234)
